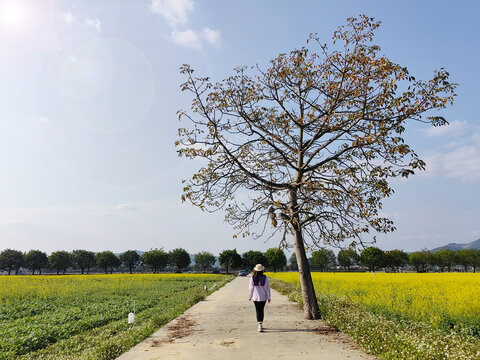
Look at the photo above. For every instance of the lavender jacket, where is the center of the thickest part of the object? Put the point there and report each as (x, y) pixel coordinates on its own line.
(259, 293)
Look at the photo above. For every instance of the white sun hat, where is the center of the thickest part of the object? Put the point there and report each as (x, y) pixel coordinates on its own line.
(259, 267)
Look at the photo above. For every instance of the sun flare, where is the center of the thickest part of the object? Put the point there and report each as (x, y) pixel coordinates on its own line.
(24, 24)
(13, 13)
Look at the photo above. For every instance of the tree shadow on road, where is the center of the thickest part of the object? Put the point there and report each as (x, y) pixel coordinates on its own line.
(321, 330)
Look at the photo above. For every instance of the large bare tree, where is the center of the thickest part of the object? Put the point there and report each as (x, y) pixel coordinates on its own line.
(308, 144)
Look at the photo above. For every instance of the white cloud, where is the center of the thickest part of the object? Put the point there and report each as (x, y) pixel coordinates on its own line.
(174, 11)
(192, 39)
(460, 158)
(462, 164)
(42, 120)
(94, 23)
(210, 36)
(455, 128)
(475, 138)
(130, 207)
(67, 17)
(188, 38)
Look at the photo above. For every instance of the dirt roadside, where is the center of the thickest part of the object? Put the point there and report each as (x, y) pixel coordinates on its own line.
(223, 326)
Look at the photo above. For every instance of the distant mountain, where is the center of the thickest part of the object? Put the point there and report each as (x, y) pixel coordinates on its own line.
(454, 246)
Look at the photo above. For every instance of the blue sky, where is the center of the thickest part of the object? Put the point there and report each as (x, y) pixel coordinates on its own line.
(88, 95)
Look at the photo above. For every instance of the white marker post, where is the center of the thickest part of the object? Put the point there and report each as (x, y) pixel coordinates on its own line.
(131, 316)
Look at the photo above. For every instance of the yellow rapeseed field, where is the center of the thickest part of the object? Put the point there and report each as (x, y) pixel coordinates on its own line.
(14, 288)
(445, 300)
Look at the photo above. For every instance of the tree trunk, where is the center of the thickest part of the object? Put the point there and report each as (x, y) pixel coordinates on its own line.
(310, 305)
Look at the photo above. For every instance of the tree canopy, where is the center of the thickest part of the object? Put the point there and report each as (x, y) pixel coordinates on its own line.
(155, 259)
(204, 260)
(129, 258)
(347, 258)
(465, 257)
(468, 257)
(36, 260)
(475, 259)
(60, 260)
(107, 259)
(395, 259)
(11, 259)
(309, 142)
(373, 258)
(252, 258)
(83, 259)
(444, 258)
(323, 258)
(179, 258)
(230, 260)
(420, 259)
(276, 259)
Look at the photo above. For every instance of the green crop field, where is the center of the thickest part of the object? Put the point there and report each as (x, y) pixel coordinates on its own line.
(85, 316)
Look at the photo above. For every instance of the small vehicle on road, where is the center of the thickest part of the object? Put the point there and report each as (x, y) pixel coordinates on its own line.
(243, 273)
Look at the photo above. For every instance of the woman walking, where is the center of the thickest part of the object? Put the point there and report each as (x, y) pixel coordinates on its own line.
(259, 292)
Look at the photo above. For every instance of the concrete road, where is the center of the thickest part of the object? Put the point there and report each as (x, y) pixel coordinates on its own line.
(224, 327)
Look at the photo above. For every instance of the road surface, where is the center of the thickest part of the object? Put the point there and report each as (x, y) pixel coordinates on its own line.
(224, 327)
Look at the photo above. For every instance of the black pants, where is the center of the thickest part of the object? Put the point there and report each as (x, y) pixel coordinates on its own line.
(259, 307)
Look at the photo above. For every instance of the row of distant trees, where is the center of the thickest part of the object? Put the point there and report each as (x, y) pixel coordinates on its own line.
(374, 259)
(273, 259)
(154, 260)
(157, 260)
(84, 261)
(445, 259)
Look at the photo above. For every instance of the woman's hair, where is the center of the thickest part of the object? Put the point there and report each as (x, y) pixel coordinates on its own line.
(258, 278)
